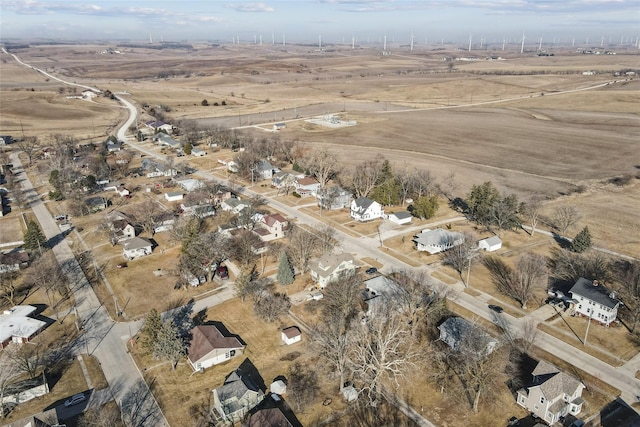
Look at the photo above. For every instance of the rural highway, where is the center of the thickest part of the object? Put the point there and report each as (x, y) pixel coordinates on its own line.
(106, 331)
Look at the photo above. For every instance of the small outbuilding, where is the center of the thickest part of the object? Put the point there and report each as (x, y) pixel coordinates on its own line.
(173, 196)
(490, 244)
(291, 335)
(198, 152)
(278, 387)
(400, 218)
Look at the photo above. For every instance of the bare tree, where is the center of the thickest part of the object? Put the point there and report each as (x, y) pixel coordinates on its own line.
(244, 245)
(528, 335)
(138, 405)
(405, 181)
(10, 288)
(303, 245)
(106, 415)
(302, 385)
(29, 145)
(532, 209)
(520, 283)
(46, 274)
(331, 342)
(461, 256)
(364, 177)
(270, 306)
(565, 217)
(146, 214)
(8, 372)
(449, 186)
(29, 359)
(326, 237)
(570, 266)
(629, 290)
(381, 353)
(322, 165)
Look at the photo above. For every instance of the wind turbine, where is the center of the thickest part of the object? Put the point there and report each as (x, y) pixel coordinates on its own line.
(320, 41)
(504, 41)
(273, 38)
(540, 45)
(283, 40)
(384, 44)
(411, 42)
(150, 39)
(353, 42)
(470, 37)
(602, 41)
(522, 47)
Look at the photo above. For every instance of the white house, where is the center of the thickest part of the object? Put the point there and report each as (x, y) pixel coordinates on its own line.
(13, 261)
(17, 325)
(209, 346)
(552, 394)
(490, 244)
(291, 335)
(164, 222)
(307, 186)
(331, 267)
(400, 218)
(234, 205)
(378, 293)
(438, 240)
(594, 301)
(136, 247)
(279, 126)
(198, 152)
(190, 184)
(122, 191)
(334, 197)
(159, 125)
(174, 196)
(271, 227)
(264, 170)
(365, 209)
(122, 230)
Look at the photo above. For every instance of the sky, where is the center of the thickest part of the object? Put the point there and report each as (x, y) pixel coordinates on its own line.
(335, 21)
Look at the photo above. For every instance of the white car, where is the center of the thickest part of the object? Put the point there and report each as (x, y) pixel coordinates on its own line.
(75, 399)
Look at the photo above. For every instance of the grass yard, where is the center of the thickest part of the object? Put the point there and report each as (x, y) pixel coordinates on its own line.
(181, 388)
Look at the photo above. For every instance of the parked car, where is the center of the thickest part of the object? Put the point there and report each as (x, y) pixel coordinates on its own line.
(75, 399)
(223, 272)
(496, 308)
(371, 270)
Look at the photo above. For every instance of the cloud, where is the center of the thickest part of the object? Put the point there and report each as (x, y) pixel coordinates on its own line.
(207, 19)
(250, 7)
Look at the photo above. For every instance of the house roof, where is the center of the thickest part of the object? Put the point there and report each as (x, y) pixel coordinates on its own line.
(493, 240)
(401, 214)
(206, 338)
(328, 263)
(381, 285)
(456, 328)
(13, 258)
(264, 165)
(291, 332)
(552, 381)
(16, 322)
(273, 218)
(594, 291)
(118, 215)
(363, 203)
(436, 237)
(120, 224)
(174, 193)
(270, 417)
(307, 180)
(136, 243)
(235, 386)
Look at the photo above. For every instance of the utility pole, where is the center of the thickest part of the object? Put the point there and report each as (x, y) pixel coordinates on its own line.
(587, 331)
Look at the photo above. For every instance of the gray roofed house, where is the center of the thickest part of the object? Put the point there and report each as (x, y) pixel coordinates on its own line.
(402, 217)
(552, 393)
(594, 300)
(490, 244)
(136, 247)
(331, 267)
(334, 197)
(378, 290)
(438, 240)
(365, 209)
(166, 140)
(461, 335)
(264, 170)
(236, 397)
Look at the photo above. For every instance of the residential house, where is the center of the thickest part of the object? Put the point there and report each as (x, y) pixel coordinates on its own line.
(334, 197)
(164, 222)
(291, 335)
(6, 140)
(378, 293)
(270, 227)
(159, 125)
(165, 140)
(461, 335)
(96, 204)
(198, 152)
(156, 169)
(278, 126)
(490, 244)
(264, 170)
(122, 191)
(331, 267)
(365, 209)
(122, 230)
(190, 184)
(221, 195)
(594, 300)
(236, 397)
(400, 218)
(17, 325)
(234, 205)
(118, 216)
(552, 394)
(13, 261)
(113, 147)
(136, 247)
(285, 180)
(272, 412)
(210, 346)
(438, 240)
(307, 186)
(174, 196)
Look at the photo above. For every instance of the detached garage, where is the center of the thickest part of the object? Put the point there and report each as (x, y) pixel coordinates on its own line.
(291, 335)
(490, 244)
(400, 218)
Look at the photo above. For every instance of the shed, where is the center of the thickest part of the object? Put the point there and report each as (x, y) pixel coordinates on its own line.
(490, 244)
(402, 217)
(291, 335)
(198, 152)
(173, 196)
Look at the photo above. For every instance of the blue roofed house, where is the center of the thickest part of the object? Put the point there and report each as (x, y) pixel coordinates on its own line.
(365, 209)
(594, 300)
(552, 394)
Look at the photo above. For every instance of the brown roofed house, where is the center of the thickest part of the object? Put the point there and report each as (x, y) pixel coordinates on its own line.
(210, 346)
(291, 335)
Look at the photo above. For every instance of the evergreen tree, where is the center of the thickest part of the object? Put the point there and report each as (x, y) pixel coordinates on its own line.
(169, 345)
(188, 148)
(150, 330)
(34, 239)
(582, 241)
(425, 207)
(285, 272)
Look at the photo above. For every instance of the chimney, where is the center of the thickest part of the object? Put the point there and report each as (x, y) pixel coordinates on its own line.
(595, 283)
